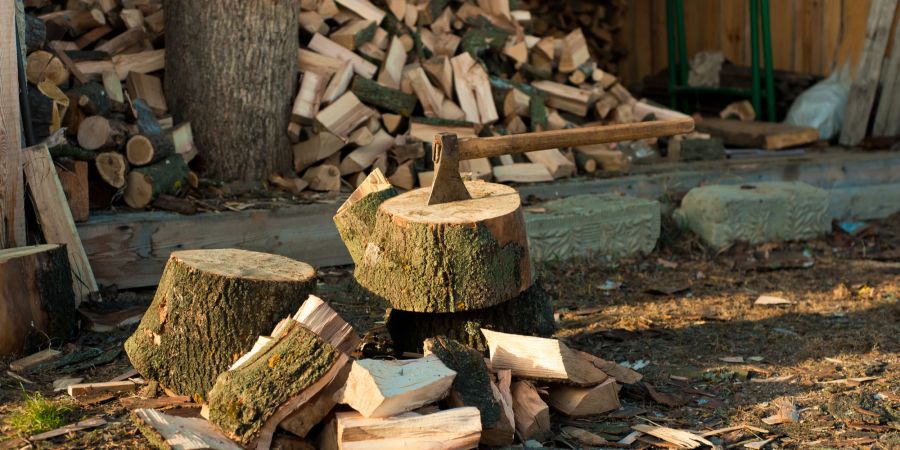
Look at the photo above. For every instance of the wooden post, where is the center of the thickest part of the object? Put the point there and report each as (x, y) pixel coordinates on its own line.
(12, 194)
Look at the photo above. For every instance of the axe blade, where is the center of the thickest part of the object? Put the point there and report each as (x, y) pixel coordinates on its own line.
(447, 186)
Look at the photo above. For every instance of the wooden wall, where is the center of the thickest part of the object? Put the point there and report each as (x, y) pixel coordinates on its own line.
(809, 36)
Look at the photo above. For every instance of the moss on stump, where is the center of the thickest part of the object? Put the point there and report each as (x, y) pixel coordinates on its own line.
(450, 257)
(355, 219)
(243, 399)
(209, 308)
(472, 385)
(531, 313)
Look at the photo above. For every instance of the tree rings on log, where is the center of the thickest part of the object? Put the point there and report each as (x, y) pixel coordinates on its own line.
(449, 257)
(531, 313)
(209, 308)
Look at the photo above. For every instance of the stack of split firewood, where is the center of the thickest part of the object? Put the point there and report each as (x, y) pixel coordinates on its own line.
(300, 386)
(377, 81)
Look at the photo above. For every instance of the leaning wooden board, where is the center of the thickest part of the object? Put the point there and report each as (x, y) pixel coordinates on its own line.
(767, 135)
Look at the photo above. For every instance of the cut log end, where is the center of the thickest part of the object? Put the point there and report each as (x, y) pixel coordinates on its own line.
(112, 168)
(139, 150)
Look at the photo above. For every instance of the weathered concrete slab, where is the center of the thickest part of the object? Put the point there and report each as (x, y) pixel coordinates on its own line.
(607, 226)
(865, 202)
(756, 213)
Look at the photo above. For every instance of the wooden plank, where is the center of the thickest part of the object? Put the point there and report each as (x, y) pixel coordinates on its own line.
(93, 422)
(767, 135)
(23, 364)
(887, 118)
(55, 218)
(865, 85)
(12, 192)
(782, 28)
(80, 390)
(182, 433)
(831, 34)
(853, 32)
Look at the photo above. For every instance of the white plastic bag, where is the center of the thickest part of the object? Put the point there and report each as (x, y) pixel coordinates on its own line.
(822, 106)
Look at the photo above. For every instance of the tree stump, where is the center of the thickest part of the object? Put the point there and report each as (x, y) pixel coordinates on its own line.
(209, 308)
(37, 302)
(531, 313)
(458, 256)
(231, 76)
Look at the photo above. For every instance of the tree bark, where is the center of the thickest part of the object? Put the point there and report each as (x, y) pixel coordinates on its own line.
(451, 257)
(531, 313)
(232, 75)
(209, 308)
(36, 298)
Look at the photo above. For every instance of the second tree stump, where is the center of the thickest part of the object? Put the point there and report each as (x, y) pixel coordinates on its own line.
(209, 308)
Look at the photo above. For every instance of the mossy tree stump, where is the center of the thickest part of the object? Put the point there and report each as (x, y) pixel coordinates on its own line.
(209, 308)
(449, 257)
(531, 313)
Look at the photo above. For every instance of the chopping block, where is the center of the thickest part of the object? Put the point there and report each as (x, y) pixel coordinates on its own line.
(458, 245)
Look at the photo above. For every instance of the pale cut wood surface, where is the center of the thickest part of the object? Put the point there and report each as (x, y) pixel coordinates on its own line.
(558, 165)
(185, 433)
(378, 388)
(585, 401)
(489, 202)
(12, 192)
(320, 318)
(887, 118)
(522, 173)
(457, 428)
(361, 66)
(532, 415)
(541, 358)
(55, 218)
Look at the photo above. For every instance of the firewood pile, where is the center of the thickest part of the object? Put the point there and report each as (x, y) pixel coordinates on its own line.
(303, 386)
(376, 82)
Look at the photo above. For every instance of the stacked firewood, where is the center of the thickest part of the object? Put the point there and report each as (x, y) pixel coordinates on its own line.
(302, 386)
(376, 82)
(93, 70)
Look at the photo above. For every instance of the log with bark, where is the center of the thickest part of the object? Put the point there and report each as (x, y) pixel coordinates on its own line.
(210, 306)
(465, 255)
(143, 184)
(36, 298)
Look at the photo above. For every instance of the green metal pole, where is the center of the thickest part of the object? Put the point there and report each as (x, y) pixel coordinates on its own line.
(767, 55)
(682, 51)
(670, 47)
(754, 54)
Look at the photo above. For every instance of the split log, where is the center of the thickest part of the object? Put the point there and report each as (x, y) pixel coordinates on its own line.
(325, 177)
(344, 115)
(306, 105)
(303, 420)
(149, 89)
(356, 217)
(504, 431)
(353, 34)
(464, 255)
(541, 358)
(325, 46)
(564, 97)
(237, 293)
(453, 429)
(532, 415)
(318, 147)
(392, 66)
(531, 313)
(363, 157)
(404, 176)
(383, 97)
(42, 65)
(98, 132)
(472, 385)
(381, 388)
(112, 168)
(143, 184)
(558, 165)
(248, 402)
(339, 83)
(321, 319)
(585, 401)
(153, 144)
(73, 177)
(36, 298)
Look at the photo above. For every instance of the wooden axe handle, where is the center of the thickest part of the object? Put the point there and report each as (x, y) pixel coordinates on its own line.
(528, 142)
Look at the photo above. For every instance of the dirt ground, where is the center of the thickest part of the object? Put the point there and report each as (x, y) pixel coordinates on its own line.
(833, 352)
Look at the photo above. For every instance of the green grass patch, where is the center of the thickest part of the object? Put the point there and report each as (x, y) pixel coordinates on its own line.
(38, 414)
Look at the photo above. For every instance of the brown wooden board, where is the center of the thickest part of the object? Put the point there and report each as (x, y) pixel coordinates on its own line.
(767, 135)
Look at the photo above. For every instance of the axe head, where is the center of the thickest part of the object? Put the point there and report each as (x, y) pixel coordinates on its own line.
(447, 185)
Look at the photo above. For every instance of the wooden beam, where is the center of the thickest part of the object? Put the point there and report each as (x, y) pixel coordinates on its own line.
(56, 220)
(865, 85)
(12, 192)
(887, 118)
(767, 135)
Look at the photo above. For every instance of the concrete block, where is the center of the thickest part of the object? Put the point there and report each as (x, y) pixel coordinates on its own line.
(865, 202)
(608, 226)
(760, 212)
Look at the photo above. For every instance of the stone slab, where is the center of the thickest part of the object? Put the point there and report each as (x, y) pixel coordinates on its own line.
(607, 226)
(756, 213)
(865, 202)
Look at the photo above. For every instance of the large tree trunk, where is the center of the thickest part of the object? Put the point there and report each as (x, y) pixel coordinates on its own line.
(36, 298)
(209, 308)
(232, 75)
